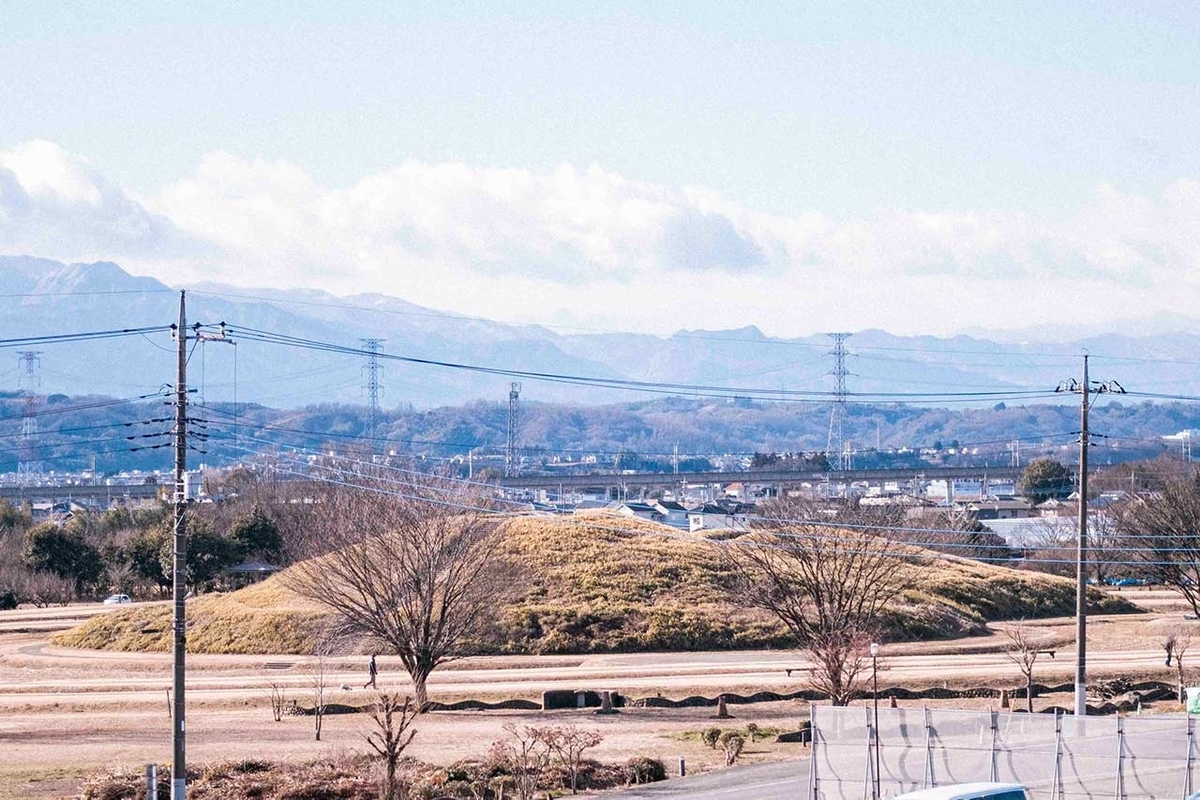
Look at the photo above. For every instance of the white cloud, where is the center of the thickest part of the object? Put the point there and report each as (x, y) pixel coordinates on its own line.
(610, 251)
(53, 204)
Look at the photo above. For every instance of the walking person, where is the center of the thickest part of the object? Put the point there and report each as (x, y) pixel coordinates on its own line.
(372, 671)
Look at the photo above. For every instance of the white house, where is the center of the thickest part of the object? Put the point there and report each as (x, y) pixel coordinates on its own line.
(639, 510)
(673, 513)
(709, 517)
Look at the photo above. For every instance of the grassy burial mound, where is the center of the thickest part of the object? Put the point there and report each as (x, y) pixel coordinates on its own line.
(604, 583)
(264, 618)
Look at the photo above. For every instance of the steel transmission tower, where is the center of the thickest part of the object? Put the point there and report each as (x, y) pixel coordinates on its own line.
(510, 451)
(372, 386)
(837, 449)
(29, 468)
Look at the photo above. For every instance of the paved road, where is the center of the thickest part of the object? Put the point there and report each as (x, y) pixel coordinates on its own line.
(781, 780)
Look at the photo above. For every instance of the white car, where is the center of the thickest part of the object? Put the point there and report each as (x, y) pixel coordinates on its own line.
(117, 600)
(969, 791)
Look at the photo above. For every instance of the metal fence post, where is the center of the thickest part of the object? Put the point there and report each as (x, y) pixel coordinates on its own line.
(995, 773)
(869, 783)
(927, 779)
(1120, 790)
(152, 782)
(812, 756)
(1191, 749)
(1058, 754)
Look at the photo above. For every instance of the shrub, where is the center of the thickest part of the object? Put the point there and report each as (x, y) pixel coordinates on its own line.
(8, 600)
(644, 770)
(711, 736)
(732, 744)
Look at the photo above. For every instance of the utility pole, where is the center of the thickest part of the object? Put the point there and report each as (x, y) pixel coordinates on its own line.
(179, 561)
(510, 451)
(373, 348)
(836, 448)
(1083, 388)
(179, 564)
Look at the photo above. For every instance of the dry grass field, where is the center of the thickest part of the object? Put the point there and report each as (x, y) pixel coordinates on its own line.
(605, 603)
(65, 713)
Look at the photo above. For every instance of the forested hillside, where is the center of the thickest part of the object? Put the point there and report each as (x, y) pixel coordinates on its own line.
(122, 434)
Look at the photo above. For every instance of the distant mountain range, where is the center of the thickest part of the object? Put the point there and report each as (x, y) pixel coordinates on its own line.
(42, 298)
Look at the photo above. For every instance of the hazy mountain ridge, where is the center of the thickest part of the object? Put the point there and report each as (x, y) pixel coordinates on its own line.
(43, 297)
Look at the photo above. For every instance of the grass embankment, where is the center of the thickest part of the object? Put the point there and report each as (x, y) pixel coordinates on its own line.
(603, 583)
(265, 618)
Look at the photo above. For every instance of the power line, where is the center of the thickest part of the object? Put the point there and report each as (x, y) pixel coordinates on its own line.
(632, 385)
(65, 338)
(90, 406)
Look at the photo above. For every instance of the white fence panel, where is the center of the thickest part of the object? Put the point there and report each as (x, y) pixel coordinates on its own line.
(1055, 757)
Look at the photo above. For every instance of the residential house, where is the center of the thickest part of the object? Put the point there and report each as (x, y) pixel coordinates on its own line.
(999, 509)
(673, 513)
(1058, 508)
(713, 517)
(640, 510)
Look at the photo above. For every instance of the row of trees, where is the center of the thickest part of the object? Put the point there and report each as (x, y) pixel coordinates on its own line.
(122, 550)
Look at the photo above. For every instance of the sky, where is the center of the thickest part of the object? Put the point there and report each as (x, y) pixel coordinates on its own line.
(802, 167)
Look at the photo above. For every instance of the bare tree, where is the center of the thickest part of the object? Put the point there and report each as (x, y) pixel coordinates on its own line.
(828, 585)
(1162, 530)
(568, 744)
(1024, 651)
(278, 697)
(1053, 542)
(393, 718)
(840, 666)
(1176, 644)
(525, 755)
(413, 566)
(319, 682)
(46, 589)
(956, 532)
(1052, 545)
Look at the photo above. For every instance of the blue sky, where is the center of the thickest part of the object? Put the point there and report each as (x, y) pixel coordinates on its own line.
(641, 167)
